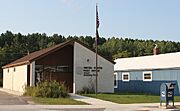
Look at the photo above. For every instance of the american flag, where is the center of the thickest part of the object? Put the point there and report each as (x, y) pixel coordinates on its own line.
(97, 18)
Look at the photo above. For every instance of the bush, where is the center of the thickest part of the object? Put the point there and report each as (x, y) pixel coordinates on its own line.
(31, 91)
(47, 89)
(87, 90)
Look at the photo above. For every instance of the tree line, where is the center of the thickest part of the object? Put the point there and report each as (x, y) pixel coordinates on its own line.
(14, 46)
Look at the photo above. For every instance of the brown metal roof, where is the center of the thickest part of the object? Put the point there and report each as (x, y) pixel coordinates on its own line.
(41, 53)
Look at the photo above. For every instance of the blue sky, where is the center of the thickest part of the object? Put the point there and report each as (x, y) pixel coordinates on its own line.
(142, 19)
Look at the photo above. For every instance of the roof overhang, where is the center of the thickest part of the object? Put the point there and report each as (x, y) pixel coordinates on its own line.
(30, 58)
(17, 64)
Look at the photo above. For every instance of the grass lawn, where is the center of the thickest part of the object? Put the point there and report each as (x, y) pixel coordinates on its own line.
(129, 98)
(57, 101)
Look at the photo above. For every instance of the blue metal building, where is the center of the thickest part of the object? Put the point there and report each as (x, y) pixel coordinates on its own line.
(145, 74)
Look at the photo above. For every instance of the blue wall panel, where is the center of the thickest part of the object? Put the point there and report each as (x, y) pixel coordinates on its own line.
(136, 83)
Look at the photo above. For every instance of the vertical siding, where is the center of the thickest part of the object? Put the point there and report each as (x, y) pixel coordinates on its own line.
(20, 78)
(136, 83)
(7, 78)
(15, 80)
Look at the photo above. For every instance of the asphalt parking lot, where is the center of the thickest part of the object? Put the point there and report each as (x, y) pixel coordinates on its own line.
(9, 102)
(8, 99)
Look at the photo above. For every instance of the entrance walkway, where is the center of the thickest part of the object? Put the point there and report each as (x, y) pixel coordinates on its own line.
(110, 106)
(90, 100)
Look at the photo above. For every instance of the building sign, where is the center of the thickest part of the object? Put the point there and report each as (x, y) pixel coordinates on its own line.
(91, 71)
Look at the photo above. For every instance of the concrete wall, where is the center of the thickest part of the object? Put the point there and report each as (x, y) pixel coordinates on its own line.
(16, 78)
(136, 83)
(83, 57)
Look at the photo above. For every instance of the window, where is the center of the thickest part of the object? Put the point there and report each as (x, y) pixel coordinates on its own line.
(125, 76)
(54, 69)
(8, 70)
(147, 76)
(64, 69)
(14, 69)
(115, 80)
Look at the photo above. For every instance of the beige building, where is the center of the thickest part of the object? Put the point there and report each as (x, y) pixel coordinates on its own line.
(71, 63)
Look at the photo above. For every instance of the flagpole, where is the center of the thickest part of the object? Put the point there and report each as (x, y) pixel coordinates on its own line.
(96, 51)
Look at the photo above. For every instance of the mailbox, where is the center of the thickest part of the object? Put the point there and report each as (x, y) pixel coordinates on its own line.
(167, 93)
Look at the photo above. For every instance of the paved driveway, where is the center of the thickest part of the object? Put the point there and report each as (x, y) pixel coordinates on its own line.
(8, 99)
(10, 102)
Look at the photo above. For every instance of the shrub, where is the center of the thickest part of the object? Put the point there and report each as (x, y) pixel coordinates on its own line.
(87, 90)
(31, 91)
(47, 89)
